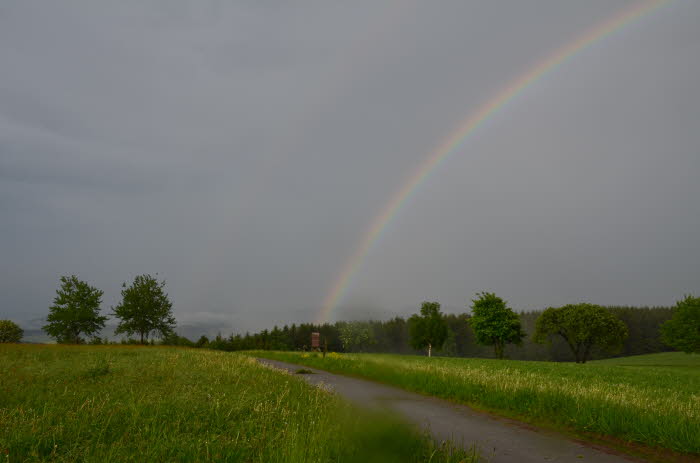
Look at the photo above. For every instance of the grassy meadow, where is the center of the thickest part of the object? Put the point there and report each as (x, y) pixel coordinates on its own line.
(131, 403)
(652, 400)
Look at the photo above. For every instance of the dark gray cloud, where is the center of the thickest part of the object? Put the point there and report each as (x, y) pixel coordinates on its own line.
(241, 151)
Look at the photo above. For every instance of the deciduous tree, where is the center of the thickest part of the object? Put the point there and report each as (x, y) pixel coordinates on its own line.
(582, 326)
(682, 332)
(494, 323)
(145, 309)
(427, 329)
(355, 336)
(75, 311)
(10, 331)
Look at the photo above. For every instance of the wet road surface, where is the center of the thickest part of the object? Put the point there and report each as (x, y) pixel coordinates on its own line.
(499, 440)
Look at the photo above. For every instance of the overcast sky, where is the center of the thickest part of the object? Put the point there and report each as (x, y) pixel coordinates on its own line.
(242, 149)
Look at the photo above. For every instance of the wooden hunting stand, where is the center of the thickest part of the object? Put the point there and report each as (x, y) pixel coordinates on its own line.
(316, 343)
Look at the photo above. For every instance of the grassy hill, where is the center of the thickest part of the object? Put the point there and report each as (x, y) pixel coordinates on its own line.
(132, 403)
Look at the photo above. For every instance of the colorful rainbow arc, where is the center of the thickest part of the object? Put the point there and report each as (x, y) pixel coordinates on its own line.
(466, 128)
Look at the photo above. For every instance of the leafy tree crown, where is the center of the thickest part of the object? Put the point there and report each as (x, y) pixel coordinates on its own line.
(75, 311)
(145, 309)
(427, 329)
(582, 326)
(493, 319)
(494, 323)
(682, 331)
(10, 331)
(356, 336)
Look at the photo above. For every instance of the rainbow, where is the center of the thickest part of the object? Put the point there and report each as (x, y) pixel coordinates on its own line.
(467, 127)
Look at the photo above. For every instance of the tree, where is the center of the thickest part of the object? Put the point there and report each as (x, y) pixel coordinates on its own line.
(355, 336)
(460, 335)
(145, 309)
(428, 329)
(10, 331)
(682, 332)
(582, 326)
(396, 335)
(644, 327)
(494, 323)
(75, 311)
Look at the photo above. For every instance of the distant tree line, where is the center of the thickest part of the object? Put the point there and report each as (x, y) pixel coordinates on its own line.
(601, 331)
(578, 332)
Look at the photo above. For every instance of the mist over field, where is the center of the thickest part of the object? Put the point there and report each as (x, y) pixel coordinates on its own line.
(242, 151)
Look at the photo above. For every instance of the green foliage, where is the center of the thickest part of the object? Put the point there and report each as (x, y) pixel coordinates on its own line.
(582, 326)
(10, 331)
(355, 336)
(459, 336)
(682, 332)
(145, 309)
(203, 341)
(428, 329)
(650, 400)
(393, 336)
(494, 323)
(173, 339)
(75, 311)
(644, 327)
(164, 404)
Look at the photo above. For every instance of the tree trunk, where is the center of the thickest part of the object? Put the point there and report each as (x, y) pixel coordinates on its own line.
(574, 349)
(586, 353)
(498, 348)
(430, 348)
(142, 337)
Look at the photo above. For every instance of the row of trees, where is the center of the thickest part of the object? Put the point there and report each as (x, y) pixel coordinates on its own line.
(581, 326)
(579, 331)
(584, 328)
(574, 332)
(144, 310)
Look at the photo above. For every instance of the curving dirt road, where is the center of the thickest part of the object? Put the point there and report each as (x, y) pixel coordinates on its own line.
(499, 440)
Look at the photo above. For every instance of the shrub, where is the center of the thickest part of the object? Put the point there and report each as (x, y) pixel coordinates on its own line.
(10, 331)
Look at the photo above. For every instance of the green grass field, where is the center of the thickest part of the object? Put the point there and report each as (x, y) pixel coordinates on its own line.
(663, 360)
(119, 403)
(652, 400)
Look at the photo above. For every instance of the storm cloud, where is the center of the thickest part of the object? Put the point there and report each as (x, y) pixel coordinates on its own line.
(241, 150)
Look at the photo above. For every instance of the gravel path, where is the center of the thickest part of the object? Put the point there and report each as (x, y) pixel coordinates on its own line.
(499, 439)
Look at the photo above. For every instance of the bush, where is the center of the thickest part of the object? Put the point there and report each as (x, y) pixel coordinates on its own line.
(173, 339)
(10, 331)
(682, 332)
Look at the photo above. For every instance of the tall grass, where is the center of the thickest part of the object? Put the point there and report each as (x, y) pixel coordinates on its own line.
(656, 405)
(101, 404)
